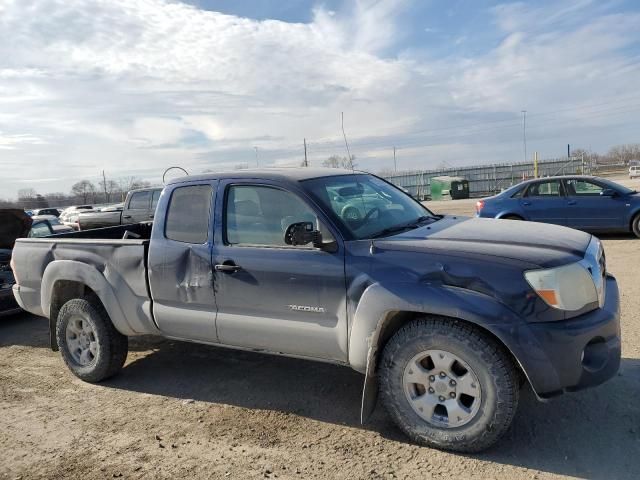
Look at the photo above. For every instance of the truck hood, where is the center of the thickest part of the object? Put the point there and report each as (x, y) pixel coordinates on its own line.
(535, 244)
(14, 224)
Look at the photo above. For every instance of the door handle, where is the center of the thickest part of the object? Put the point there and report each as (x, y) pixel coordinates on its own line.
(227, 267)
(126, 216)
(571, 202)
(526, 203)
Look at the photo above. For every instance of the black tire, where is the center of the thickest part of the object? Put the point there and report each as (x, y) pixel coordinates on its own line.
(635, 225)
(112, 346)
(492, 365)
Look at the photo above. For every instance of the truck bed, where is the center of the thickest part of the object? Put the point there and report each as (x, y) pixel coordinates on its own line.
(110, 261)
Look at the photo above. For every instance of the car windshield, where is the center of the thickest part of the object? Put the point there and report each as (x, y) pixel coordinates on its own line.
(365, 206)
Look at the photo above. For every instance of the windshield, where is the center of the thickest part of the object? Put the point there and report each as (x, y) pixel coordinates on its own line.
(365, 206)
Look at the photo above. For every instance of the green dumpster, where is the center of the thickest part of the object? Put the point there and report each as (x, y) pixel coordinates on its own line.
(446, 187)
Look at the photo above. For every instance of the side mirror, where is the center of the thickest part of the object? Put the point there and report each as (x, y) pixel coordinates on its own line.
(609, 192)
(302, 233)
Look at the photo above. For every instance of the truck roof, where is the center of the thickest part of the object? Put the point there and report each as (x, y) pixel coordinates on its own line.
(282, 173)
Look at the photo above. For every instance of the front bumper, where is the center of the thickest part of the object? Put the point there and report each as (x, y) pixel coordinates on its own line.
(578, 353)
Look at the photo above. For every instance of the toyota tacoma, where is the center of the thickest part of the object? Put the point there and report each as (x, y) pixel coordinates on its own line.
(446, 317)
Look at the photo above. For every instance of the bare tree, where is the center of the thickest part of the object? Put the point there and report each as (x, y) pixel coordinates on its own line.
(335, 161)
(109, 187)
(83, 189)
(132, 183)
(624, 153)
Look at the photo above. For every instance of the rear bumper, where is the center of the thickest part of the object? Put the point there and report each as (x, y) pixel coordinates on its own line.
(578, 353)
(28, 299)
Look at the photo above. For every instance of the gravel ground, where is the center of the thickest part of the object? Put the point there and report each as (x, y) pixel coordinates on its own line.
(185, 410)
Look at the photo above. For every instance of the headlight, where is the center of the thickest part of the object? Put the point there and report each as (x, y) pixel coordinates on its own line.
(569, 287)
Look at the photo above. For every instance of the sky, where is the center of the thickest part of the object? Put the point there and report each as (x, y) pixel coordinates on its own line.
(132, 87)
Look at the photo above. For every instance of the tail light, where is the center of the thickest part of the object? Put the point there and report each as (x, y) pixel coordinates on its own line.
(479, 205)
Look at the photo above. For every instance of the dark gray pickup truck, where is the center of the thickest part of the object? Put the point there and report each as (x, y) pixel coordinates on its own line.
(446, 317)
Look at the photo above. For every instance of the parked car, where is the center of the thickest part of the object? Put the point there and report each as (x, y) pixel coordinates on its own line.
(587, 203)
(46, 211)
(14, 223)
(54, 222)
(445, 316)
(139, 206)
(634, 172)
(69, 215)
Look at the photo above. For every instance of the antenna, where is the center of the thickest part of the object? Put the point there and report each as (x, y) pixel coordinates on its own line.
(171, 168)
(345, 141)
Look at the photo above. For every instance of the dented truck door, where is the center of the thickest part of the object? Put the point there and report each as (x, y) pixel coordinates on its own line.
(180, 277)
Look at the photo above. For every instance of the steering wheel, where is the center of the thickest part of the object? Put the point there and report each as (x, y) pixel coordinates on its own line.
(370, 214)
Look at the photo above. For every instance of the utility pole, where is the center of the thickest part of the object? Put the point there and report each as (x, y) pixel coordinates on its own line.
(345, 141)
(395, 164)
(104, 185)
(524, 133)
(306, 162)
(257, 164)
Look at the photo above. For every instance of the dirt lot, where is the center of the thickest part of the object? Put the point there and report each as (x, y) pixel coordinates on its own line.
(184, 410)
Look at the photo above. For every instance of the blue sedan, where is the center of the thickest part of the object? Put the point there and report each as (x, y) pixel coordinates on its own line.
(586, 203)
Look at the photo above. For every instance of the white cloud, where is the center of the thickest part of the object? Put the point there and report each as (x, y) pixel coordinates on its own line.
(134, 86)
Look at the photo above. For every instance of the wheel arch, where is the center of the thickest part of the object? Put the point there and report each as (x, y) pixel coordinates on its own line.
(64, 280)
(374, 325)
(506, 215)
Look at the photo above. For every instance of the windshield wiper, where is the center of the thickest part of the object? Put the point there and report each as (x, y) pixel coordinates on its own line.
(405, 226)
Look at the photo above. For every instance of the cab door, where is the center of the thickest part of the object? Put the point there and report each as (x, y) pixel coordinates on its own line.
(179, 262)
(589, 209)
(544, 201)
(137, 208)
(270, 295)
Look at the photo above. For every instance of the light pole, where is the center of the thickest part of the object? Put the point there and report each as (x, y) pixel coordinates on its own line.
(524, 133)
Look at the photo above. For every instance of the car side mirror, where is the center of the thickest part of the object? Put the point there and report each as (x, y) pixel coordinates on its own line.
(609, 192)
(302, 233)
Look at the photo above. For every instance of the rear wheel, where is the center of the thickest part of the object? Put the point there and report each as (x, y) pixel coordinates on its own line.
(635, 225)
(448, 385)
(89, 343)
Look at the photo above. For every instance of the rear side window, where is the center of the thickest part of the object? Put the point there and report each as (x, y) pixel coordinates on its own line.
(188, 214)
(139, 201)
(544, 189)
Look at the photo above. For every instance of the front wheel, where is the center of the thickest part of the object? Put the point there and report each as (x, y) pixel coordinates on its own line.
(448, 385)
(89, 343)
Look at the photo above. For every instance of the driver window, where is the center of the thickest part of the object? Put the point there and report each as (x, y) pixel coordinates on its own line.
(260, 215)
(582, 188)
